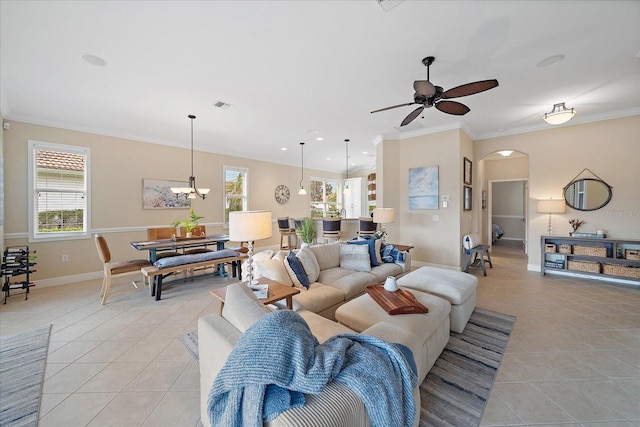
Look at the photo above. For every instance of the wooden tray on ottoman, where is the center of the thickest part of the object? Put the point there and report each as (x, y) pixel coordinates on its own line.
(398, 302)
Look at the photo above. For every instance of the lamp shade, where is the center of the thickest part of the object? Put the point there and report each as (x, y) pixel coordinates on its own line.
(551, 206)
(560, 114)
(249, 226)
(384, 215)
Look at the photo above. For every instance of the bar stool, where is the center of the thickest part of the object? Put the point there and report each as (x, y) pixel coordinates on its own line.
(330, 229)
(286, 232)
(367, 226)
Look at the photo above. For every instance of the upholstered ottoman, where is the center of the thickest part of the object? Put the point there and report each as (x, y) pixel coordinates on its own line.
(455, 286)
(430, 330)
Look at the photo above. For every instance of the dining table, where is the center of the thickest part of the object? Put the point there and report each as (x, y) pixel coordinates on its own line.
(180, 244)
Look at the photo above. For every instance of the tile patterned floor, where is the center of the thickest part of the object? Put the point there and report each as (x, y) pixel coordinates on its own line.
(573, 358)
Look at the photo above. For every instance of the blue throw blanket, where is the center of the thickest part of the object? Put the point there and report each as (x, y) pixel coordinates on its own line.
(277, 359)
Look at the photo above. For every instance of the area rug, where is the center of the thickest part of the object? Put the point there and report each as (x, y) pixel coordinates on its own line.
(455, 392)
(22, 362)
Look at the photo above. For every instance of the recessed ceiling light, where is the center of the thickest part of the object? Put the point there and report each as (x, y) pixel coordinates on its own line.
(319, 138)
(284, 149)
(364, 152)
(550, 60)
(93, 60)
(328, 158)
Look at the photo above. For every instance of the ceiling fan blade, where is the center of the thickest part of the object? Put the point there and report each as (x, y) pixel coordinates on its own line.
(452, 107)
(394, 106)
(415, 113)
(424, 88)
(470, 89)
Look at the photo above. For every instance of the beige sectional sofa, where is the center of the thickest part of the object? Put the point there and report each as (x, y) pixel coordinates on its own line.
(332, 283)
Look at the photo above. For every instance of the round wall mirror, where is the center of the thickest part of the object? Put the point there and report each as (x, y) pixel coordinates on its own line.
(587, 194)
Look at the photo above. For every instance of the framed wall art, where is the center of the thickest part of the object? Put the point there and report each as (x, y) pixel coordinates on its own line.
(467, 199)
(467, 171)
(157, 194)
(423, 188)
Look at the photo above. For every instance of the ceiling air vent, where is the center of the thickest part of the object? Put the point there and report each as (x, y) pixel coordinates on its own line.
(387, 5)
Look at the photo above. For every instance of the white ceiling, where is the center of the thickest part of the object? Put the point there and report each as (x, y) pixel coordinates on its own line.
(290, 68)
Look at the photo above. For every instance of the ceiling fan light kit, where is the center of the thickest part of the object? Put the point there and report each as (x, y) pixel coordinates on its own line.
(560, 114)
(192, 191)
(427, 95)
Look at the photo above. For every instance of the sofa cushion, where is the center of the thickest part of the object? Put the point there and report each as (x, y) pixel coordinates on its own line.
(274, 269)
(317, 298)
(323, 328)
(371, 244)
(351, 283)
(355, 257)
(309, 263)
(378, 244)
(241, 307)
(386, 269)
(327, 255)
(296, 271)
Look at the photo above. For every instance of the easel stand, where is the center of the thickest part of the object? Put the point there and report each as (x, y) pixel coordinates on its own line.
(17, 262)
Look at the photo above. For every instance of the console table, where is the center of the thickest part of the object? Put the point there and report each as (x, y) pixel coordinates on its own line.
(603, 259)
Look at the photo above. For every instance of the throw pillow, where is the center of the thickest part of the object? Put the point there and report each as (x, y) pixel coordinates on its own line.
(274, 269)
(371, 244)
(355, 257)
(379, 251)
(260, 256)
(241, 307)
(309, 263)
(296, 271)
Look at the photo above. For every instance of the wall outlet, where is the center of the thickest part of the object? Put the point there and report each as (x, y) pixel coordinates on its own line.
(65, 258)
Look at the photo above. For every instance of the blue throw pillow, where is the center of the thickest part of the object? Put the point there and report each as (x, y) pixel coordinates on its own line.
(372, 249)
(389, 253)
(298, 269)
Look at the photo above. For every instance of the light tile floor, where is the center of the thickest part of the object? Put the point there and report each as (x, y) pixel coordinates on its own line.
(573, 358)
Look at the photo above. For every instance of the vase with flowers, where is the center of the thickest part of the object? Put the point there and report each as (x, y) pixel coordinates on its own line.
(575, 224)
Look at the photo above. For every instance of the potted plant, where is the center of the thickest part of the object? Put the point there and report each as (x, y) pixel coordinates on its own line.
(190, 223)
(307, 231)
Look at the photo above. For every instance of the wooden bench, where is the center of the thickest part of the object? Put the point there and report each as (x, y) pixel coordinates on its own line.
(155, 274)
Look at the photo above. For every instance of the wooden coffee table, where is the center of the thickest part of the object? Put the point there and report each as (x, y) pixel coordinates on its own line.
(277, 292)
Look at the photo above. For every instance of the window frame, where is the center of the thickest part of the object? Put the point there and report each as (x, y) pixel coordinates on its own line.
(245, 191)
(34, 234)
(325, 204)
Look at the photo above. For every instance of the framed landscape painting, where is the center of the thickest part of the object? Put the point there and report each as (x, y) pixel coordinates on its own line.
(157, 194)
(423, 188)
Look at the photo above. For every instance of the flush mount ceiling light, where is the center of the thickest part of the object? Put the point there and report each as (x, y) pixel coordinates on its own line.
(505, 153)
(302, 191)
(93, 60)
(192, 191)
(347, 190)
(560, 114)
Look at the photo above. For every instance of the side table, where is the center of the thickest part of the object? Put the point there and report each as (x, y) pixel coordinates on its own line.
(277, 292)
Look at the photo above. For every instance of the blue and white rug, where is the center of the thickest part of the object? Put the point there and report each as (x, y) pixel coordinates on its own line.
(22, 362)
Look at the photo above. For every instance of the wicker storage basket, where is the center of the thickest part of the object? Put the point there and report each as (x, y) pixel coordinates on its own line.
(586, 266)
(621, 270)
(564, 248)
(633, 254)
(549, 247)
(590, 250)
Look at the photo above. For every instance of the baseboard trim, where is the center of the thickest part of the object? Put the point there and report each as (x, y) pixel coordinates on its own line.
(64, 280)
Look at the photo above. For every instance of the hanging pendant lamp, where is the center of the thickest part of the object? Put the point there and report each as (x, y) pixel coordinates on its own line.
(347, 190)
(560, 114)
(192, 191)
(302, 191)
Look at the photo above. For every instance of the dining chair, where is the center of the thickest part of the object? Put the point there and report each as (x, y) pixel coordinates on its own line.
(331, 229)
(117, 268)
(162, 233)
(198, 231)
(286, 232)
(367, 226)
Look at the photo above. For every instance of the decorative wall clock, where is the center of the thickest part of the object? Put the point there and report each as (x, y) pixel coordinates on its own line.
(282, 194)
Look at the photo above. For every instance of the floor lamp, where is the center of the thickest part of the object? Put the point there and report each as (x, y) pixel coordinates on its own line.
(551, 206)
(384, 216)
(249, 226)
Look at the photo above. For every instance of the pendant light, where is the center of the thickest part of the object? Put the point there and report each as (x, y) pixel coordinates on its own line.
(347, 190)
(302, 191)
(192, 191)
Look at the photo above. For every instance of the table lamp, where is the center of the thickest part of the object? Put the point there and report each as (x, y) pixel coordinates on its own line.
(384, 216)
(249, 226)
(551, 206)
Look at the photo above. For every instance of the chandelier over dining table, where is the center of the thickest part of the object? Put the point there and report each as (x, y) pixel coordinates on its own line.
(192, 191)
